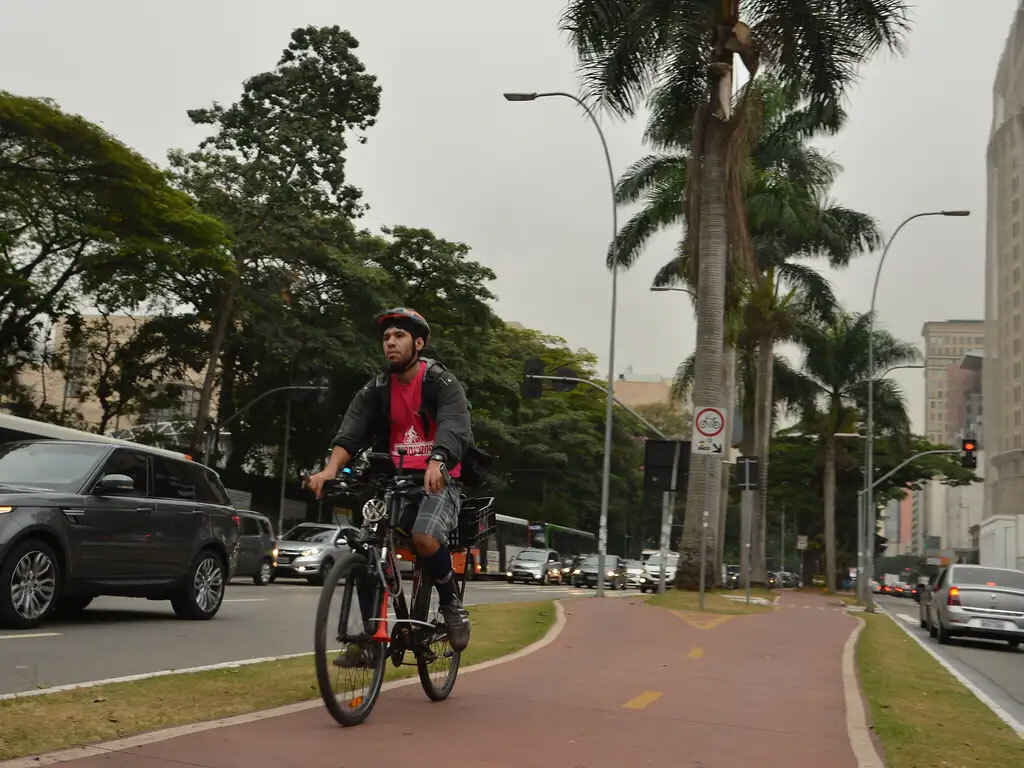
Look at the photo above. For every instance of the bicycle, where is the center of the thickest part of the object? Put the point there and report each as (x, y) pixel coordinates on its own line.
(369, 578)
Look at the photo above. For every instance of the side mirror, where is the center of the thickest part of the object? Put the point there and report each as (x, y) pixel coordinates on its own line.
(115, 484)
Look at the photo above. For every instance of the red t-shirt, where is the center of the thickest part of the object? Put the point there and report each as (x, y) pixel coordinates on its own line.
(407, 426)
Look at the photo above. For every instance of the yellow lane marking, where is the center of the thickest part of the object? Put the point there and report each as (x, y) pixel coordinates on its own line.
(701, 620)
(643, 701)
(695, 653)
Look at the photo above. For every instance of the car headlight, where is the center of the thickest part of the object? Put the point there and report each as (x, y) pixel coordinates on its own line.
(565, 570)
(509, 573)
(577, 572)
(275, 553)
(310, 552)
(611, 573)
(4, 510)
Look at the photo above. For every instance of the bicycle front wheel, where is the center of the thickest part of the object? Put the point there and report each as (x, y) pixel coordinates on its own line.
(349, 665)
(438, 670)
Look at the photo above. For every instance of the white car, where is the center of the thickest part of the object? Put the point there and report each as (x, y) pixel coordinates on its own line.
(651, 576)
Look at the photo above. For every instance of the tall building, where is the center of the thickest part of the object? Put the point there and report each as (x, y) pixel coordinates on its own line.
(1003, 374)
(946, 385)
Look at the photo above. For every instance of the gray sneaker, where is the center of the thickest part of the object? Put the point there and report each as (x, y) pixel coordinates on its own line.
(456, 620)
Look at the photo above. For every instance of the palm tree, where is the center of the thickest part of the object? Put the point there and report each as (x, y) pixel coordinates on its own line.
(835, 377)
(789, 217)
(679, 56)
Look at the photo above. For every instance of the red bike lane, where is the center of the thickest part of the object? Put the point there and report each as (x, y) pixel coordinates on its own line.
(624, 684)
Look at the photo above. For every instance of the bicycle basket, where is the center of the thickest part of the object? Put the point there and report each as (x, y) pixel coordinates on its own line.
(476, 522)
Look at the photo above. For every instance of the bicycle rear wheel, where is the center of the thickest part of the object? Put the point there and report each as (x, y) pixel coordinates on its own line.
(437, 676)
(349, 692)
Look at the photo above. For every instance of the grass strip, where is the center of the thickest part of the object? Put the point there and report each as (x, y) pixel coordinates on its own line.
(923, 715)
(684, 600)
(41, 724)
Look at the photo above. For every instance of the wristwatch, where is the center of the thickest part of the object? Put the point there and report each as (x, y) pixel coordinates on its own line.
(439, 459)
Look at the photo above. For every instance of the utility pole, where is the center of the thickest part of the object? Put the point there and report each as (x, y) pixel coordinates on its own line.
(747, 478)
(668, 499)
(782, 542)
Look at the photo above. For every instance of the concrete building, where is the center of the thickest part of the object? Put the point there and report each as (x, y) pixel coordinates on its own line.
(64, 377)
(946, 385)
(636, 390)
(1003, 375)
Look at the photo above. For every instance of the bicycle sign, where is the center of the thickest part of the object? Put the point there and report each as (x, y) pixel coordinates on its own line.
(708, 431)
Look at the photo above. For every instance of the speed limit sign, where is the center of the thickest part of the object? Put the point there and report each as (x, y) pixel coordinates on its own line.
(708, 431)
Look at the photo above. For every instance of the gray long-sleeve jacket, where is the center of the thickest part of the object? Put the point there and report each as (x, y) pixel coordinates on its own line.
(367, 422)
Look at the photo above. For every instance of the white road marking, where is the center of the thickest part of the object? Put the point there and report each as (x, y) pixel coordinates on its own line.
(985, 699)
(246, 600)
(30, 634)
(909, 619)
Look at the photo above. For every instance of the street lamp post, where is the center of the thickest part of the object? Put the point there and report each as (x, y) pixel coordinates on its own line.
(870, 425)
(861, 532)
(602, 534)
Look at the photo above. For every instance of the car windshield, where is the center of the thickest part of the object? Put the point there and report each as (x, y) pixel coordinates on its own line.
(989, 577)
(53, 465)
(673, 560)
(320, 534)
(732, 569)
(532, 555)
(591, 561)
(634, 565)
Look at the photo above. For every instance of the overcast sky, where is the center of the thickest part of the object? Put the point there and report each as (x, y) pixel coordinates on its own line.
(525, 185)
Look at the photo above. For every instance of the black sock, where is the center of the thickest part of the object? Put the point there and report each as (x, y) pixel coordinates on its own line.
(439, 566)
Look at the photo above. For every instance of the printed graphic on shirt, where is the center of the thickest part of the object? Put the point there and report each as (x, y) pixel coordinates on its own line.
(414, 444)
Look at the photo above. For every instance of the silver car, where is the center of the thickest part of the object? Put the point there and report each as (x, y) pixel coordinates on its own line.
(651, 577)
(309, 550)
(976, 601)
(634, 570)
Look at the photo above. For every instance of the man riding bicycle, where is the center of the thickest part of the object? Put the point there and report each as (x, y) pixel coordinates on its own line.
(416, 411)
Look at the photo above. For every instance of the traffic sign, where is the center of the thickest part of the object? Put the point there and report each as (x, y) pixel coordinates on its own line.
(708, 431)
(801, 542)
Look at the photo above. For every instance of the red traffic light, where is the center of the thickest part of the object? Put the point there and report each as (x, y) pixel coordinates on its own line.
(969, 445)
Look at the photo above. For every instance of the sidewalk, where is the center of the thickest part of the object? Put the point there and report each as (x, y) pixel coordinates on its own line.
(623, 685)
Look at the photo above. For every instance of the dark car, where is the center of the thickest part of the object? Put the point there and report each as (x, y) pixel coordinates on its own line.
(615, 572)
(732, 577)
(257, 550)
(82, 519)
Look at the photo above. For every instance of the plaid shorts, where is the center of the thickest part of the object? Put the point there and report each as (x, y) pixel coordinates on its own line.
(438, 513)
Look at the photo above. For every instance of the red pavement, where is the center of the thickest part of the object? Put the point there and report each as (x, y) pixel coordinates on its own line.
(763, 691)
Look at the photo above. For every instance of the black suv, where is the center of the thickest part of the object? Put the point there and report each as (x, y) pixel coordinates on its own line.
(80, 519)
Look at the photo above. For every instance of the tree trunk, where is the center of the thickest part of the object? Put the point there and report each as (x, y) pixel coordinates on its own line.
(729, 369)
(830, 513)
(701, 492)
(220, 332)
(762, 445)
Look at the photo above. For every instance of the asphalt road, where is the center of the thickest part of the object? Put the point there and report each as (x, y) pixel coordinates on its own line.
(124, 636)
(992, 666)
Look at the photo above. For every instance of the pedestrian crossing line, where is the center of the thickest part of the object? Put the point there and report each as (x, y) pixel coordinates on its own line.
(695, 653)
(643, 701)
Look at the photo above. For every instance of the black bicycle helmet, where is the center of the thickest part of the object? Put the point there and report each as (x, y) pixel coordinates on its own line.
(405, 318)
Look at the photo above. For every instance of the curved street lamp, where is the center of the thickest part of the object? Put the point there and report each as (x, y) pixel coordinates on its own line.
(602, 534)
(870, 425)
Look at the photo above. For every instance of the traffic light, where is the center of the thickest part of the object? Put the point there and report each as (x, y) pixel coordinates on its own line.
(968, 458)
(533, 388)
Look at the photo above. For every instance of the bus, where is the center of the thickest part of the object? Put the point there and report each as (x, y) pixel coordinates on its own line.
(565, 541)
(511, 535)
(13, 428)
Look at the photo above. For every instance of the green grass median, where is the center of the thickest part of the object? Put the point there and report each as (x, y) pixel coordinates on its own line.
(46, 723)
(684, 600)
(923, 715)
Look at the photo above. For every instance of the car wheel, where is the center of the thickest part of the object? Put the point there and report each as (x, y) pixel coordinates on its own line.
(544, 580)
(931, 627)
(321, 577)
(69, 607)
(264, 574)
(943, 634)
(1014, 643)
(922, 621)
(273, 576)
(29, 585)
(203, 591)
(642, 590)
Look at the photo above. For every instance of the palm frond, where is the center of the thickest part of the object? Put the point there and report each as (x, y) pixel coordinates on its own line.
(648, 171)
(682, 382)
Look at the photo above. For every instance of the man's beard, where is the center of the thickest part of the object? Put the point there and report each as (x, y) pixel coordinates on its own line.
(402, 366)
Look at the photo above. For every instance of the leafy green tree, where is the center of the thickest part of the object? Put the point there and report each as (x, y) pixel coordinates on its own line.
(81, 214)
(274, 170)
(679, 57)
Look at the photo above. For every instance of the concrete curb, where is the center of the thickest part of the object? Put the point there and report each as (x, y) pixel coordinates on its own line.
(856, 717)
(131, 742)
